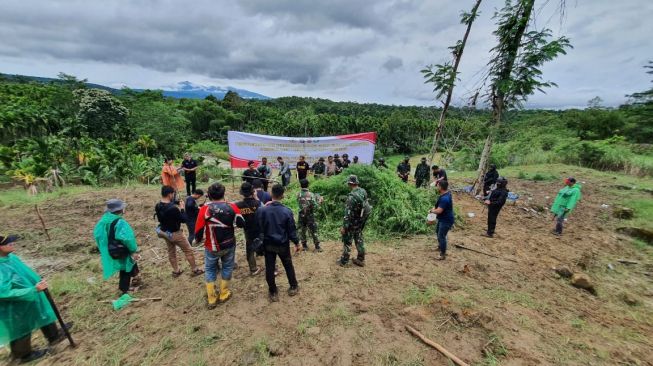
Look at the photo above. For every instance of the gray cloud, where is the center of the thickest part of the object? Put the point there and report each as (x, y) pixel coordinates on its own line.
(393, 63)
(314, 48)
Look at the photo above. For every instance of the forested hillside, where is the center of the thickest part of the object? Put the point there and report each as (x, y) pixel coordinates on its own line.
(67, 131)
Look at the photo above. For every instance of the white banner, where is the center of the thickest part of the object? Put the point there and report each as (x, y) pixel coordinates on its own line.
(244, 147)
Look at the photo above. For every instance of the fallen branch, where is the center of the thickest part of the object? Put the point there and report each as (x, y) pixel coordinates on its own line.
(626, 261)
(484, 253)
(134, 300)
(45, 228)
(438, 347)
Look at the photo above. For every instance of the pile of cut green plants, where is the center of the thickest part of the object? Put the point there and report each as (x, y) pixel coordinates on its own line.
(399, 209)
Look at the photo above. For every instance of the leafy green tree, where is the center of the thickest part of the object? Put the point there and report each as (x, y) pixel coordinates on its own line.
(515, 68)
(102, 115)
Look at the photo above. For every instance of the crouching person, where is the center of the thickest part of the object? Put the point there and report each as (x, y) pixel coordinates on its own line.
(219, 219)
(276, 230)
(117, 244)
(23, 306)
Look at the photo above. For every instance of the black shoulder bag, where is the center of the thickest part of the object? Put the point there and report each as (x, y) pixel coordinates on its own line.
(117, 250)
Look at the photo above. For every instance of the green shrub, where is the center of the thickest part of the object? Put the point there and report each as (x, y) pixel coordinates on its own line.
(207, 147)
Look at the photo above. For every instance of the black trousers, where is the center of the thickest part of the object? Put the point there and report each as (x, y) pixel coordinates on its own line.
(191, 181)
(126, 278)
(265, 184)
(492, 213)
(22, 347)
(271, 253)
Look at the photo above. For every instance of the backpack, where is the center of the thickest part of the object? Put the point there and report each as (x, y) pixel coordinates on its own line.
(117, 250)
(220, 222)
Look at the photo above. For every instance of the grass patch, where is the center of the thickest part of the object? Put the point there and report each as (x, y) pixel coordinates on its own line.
(494, 351)
(417, 296)
(578, 323)
(304, 324)
(506, 296)
(643, 212)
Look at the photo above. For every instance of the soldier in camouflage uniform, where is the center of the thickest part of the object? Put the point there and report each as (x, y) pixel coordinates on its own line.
(422, 174)
(308, 204)
(353, 224)
(403, 170)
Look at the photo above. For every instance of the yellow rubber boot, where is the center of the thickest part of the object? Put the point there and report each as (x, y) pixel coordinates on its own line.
(225, 294)
(211, 296)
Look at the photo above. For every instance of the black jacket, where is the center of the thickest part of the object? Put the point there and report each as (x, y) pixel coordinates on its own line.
(250, 174)
(276, 224)
(169, 216)
(248, 208)
(498, 197)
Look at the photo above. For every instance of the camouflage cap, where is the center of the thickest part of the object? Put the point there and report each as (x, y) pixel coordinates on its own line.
(353, 180)
(320, 159)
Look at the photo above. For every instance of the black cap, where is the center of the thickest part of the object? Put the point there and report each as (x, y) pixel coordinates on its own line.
(4, 240)
(320, 159)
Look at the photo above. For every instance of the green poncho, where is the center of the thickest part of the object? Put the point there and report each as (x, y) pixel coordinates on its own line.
(124, 233)
(567, 199)
(22, 308)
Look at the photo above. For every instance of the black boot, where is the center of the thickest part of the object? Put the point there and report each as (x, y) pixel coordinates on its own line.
(359, 260)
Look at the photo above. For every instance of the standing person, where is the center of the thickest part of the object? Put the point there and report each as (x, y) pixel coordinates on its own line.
(338, 162)
(277, 229)
(355, 160)
(113, 227)
(319, 168)
(220, 219)
(494, 203)
(24, 307)
(170, 218)
(251, 173)
(170, 175)
(308, 204)
(564, 203)
(262, 195)
(265, 173)
(444, 211)
(248, 206)
(189, 166)
(382, 165)
(302, 168)
(192, 209)
(490, 178)
(422, 174)
(330, 166)
(354, 223)
(345, 161)
(439, 174)
(403, 170)
(284, 171)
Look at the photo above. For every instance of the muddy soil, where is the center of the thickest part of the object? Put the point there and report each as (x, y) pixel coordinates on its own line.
(513, 310)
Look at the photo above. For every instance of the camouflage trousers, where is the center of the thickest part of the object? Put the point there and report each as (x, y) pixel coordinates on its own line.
(355, 235)
(308, 224)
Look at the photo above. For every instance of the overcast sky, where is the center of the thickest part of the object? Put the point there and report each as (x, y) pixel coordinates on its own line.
(357, 50)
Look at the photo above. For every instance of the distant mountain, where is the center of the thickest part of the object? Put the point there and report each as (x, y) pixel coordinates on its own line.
(184, 89)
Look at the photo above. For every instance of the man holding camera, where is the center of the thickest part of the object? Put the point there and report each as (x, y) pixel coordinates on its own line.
(168, 213)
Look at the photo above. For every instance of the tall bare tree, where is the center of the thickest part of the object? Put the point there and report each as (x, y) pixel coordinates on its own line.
(514, 70)
(444, 77)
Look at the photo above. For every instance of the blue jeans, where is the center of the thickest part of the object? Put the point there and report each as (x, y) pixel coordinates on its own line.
(211, 265)
(441, 229)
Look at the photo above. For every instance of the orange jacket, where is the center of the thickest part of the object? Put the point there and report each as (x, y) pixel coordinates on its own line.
(171, 177)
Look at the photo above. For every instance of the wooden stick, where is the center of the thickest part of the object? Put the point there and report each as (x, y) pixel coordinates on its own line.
(134, 300)
(626, 261)
(45, 229)
(484, 253)
(438, 347)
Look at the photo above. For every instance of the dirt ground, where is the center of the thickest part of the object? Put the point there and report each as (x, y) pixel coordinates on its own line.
(485, 310)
